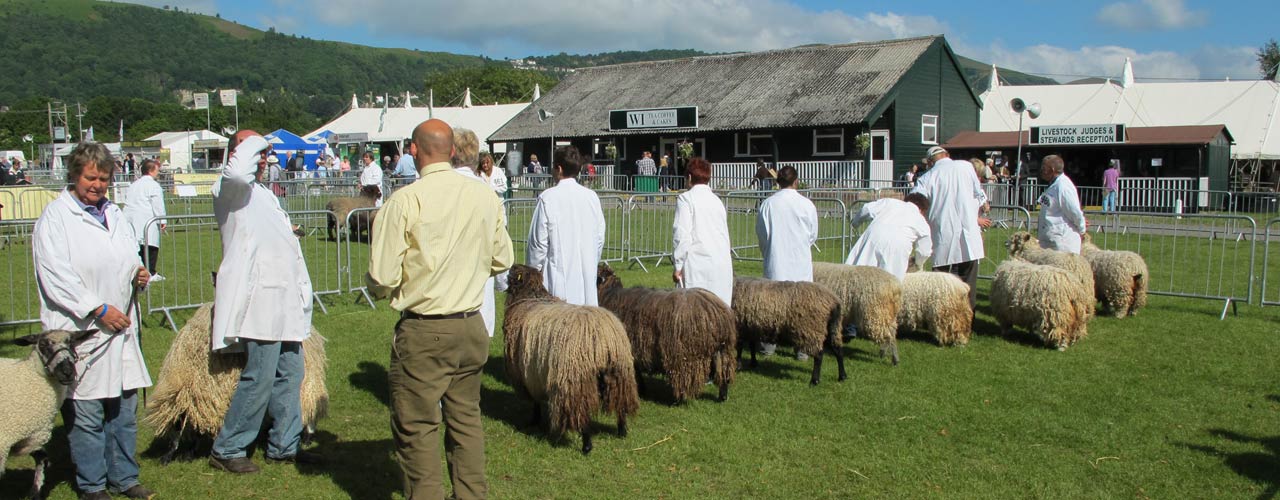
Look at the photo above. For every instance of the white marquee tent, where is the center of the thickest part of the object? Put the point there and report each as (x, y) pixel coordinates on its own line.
(180, 144)
(395, 124)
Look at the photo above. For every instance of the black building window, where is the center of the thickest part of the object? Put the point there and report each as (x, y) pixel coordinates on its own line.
(751, 144)
(828, 142)
(929, 129)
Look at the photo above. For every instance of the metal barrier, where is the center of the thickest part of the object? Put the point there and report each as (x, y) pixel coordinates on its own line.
(305, 195)
(1272, 234)
(835, 237)
(1005, 220)
(353, 254)
(648, 228)
(8, 205)
(20, 299)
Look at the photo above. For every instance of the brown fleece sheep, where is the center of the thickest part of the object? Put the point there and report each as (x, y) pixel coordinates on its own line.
(361, 222)
(870, 298)
(807, 313)
(937, 302)
(684, 333)
(1025, 246)
(1042, 299)
(195, 386)
(1119, 278)
(575, 359)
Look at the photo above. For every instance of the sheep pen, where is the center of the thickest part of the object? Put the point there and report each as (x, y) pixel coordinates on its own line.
(937, 302)
(870, 298)
(683, 333)
(1041, 298)
(807, 313)
(195, 386)
(1024, 245)
(1119, 277)
(575, 359)
(361, 222)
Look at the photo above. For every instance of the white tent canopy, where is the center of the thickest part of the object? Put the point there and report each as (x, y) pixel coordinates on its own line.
(395, 124)
(179, 145)
(1249, 109)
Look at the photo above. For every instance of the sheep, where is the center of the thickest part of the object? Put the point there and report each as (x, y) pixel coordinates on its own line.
(684, 333)
(807, 312)
(870, 298)
(938, 302)
(574, 359)
(1041, 298)
(195, 386)
(1119, 277)
(34, 388)
(1023, 245)
(362, 221)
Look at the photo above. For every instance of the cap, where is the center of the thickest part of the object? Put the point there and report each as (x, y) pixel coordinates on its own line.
(272, 159)
(934, 151)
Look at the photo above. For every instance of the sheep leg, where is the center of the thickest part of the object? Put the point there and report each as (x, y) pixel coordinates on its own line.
(817, 369)
(622, 425)
(640, 383)
(893, 348)
(173, 448)
(536, 417)
(37, 479)
(586, 440)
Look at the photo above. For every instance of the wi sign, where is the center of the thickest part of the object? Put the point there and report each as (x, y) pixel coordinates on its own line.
(636, 119)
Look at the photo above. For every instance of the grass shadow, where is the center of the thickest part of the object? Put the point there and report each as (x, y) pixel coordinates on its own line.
(508, 408)
(372, 378)
(60, 469)
(1259, 467)
(362, 469)
(988, 328)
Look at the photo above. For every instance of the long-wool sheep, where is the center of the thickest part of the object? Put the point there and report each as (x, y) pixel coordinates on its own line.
(870, 298)
(195, 386)
(684, 333)
(937, 302)
(33, 389)
(807, 313)
(575, 359)
(1119, 278)
(1043, 299)
(362, 221)
(1023, 245)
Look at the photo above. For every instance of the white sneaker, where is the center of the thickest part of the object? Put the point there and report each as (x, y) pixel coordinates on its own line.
(156, 278)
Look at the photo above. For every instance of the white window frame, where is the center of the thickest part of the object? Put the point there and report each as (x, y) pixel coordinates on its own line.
(925, 126)
(825, 133)
(741, 149)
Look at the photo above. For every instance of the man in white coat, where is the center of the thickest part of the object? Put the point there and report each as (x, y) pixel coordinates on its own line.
(786, 227)
(896, 227)
(466, 154)
(371, 178)
(146, 202)
(262, 305)
(87, 267)
(700, 237)
(566, 235)
(1061, 223)
(955, 197)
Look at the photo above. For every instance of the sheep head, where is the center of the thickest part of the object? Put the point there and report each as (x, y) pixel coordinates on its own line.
(524, 282)
(606, 279)
(1019, 242)
(57, 351)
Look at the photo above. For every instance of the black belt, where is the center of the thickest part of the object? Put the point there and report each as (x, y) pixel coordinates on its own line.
(414, 315)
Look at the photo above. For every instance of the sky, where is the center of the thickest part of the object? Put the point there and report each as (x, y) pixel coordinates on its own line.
(1065, 40)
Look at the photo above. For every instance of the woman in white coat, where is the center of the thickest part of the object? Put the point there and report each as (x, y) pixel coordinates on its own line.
(1061, 221)
(495, 177)
(87, 268)
(702, 257)
(786, 227)
(145, 202)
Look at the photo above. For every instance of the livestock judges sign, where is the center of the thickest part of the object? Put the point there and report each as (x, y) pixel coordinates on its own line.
(633, 119)
(1078, 134)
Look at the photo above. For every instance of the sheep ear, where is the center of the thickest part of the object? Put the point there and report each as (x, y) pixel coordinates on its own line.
(81, 336)
(28, 339)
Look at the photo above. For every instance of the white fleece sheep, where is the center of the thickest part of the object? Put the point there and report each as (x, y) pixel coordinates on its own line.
(869, 297)
(1046, 300)
(1119, 278)
(1025, 246)
(937, 302)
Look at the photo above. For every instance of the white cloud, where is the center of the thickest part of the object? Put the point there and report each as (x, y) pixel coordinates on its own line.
(209, 7)
(1151, 14)
(1064, 65)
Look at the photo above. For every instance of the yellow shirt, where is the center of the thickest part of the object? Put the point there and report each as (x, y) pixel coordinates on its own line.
(436, 241)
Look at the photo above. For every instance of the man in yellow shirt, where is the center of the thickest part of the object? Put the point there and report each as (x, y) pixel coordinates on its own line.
(434, 244)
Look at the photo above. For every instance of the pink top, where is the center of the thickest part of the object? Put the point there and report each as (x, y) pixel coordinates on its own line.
(1111, 179)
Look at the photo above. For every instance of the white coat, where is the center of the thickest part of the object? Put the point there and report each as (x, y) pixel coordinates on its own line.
(372, 176)
(700, 237)
(488, 306)
(145, 201)
(1061, 221)
(566, 238)
(896, 226)
(954, 197)
(498, 181)
(786, 227)
(263, 290)
(81, 265)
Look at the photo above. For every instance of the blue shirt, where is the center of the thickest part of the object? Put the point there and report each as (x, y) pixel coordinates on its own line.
(99, 212)
(406, 167)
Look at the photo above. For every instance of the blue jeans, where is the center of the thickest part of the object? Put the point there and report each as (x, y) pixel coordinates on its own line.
(103, 434)
(270, 381)
(1109, 201)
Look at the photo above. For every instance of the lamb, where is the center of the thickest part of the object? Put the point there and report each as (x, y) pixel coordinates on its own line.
(361, 222)
(937, 302)
(806, 312)
(195, 386)
(870, 298)
(1025, 246)
(1043, 299)
(1119, 277)
(34, 388)
(684, 333)
(574, 359)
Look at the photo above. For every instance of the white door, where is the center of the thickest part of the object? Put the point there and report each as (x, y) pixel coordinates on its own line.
(881, 173)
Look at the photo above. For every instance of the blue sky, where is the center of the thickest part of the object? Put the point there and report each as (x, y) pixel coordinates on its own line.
(1166, 39)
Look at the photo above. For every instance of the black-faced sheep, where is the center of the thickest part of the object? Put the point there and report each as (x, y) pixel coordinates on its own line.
(807, 313)
(195, 386)
(33, 389)
(1025, 246)
(1119, 278)
(361, 221)
(937, 302)
(870, 298)
(684, 333)
(1043, 299)
(575, 359)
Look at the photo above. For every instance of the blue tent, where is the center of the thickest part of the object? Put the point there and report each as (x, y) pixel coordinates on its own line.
(283, 141)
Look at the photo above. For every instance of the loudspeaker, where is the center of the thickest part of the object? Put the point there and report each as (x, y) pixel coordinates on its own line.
(1017, 105)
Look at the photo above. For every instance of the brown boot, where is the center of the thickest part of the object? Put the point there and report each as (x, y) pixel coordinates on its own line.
(240, 465)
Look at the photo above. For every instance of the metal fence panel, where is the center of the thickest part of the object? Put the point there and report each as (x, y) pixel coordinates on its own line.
(835, 237)
(190, 251)
(648, 228)
(354, 253)
(20, 299)
(1271, 277)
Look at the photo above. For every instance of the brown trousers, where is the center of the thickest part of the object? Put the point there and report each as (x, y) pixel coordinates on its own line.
(436, 365)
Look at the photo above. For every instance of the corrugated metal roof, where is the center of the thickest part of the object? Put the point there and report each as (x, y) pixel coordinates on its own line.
(816, 85)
